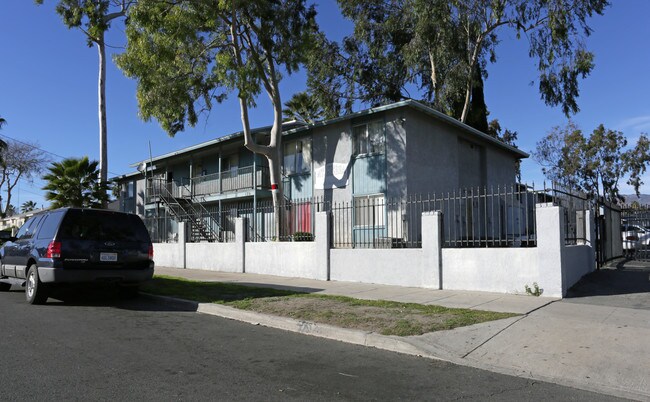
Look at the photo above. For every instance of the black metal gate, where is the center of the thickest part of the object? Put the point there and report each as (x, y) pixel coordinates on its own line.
(635, 231)
(607, 224)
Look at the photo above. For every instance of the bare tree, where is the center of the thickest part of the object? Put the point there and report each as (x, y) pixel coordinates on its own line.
(20, 160)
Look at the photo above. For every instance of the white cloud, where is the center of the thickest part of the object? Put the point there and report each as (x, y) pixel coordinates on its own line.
(637, 124)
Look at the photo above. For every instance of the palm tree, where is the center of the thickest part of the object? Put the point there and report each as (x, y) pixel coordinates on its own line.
(28, 206)
(74, 183)
(3, 145)
(303, 107)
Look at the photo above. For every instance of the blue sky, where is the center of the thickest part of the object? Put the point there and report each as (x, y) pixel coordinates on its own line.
(48, 90)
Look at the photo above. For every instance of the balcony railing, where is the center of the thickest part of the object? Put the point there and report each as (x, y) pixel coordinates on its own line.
(212, 184)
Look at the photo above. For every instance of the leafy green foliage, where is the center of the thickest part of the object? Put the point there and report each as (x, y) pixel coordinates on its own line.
(75, 183)
(595, 164)
(443, 48)
(92, 16)
(183, 55)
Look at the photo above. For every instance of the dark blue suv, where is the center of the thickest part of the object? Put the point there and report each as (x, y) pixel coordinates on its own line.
(72, 245)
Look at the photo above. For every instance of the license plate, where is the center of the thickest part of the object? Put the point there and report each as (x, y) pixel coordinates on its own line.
(108, 257)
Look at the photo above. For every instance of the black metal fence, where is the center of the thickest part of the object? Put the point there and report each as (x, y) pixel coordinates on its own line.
(475, 217)
(297, 220)
(203, 227)
(498, 216)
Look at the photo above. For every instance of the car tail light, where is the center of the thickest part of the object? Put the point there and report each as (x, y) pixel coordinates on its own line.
(53, 250)
(151, 251)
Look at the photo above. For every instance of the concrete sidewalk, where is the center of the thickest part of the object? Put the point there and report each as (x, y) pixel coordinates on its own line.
(593, 347)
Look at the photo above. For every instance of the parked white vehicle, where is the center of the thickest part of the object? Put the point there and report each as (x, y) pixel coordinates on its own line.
(634, 237)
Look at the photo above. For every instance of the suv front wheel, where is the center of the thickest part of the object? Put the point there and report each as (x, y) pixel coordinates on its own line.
(35, 291)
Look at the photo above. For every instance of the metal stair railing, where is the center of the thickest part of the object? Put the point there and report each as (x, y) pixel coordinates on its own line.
(196, 202)
(187, 213)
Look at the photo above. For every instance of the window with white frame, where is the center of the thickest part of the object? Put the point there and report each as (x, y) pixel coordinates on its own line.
(369, 138)
(297, 156)
(369, 210)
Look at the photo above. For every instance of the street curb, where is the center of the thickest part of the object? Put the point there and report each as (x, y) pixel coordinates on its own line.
(383, 342)
(353, 336)
(346, 335)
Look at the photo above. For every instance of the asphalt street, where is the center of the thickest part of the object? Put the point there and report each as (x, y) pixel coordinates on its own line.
(97, 347)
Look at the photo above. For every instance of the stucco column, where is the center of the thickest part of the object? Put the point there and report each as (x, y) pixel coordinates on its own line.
(322, 242)
(432, 248)
(181, 244)
(240, 242)
(550, 242)
(590, 229)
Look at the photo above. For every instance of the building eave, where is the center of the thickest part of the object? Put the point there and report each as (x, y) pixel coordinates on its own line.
(422, 108)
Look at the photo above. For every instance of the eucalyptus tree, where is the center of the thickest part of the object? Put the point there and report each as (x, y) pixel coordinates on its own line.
(188, 56)
(594, 164)
(94, 18)
(74, 182)
(444, 47)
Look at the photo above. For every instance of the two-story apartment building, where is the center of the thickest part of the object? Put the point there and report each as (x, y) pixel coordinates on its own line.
(365, 158)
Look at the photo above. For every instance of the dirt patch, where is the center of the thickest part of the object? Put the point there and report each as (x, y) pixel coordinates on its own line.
(387, 318)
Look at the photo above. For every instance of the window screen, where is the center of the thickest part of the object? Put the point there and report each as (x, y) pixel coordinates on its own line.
(369, 210)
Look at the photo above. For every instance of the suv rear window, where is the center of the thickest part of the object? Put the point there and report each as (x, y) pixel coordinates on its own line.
(50, 225)
(102, 226)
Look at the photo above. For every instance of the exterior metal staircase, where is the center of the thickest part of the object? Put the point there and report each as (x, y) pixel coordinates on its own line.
(187, 208)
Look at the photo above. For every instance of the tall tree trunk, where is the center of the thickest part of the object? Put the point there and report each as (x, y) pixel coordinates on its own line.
(103, 130)
(275, 165)
(434, 78)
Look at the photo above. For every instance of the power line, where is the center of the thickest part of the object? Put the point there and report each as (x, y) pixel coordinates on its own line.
(43, 150)
(33, 146)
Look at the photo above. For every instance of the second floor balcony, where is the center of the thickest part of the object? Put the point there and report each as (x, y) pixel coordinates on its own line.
(226, 183)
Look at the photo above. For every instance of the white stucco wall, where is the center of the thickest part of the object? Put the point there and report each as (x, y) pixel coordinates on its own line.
(577, 261)
(501, 270)
(401, 267)
(168, 255)
(552, 265)
(293, 259)
(221, 257)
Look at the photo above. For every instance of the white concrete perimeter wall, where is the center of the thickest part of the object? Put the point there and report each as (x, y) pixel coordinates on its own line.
(168, 255)
(552, 265)
(501, 270)
(222, 257)
(577, 261)
(401, 267)
(284, 259)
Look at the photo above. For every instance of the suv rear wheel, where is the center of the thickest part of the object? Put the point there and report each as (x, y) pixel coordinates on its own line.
(35, 291)
(4, 286)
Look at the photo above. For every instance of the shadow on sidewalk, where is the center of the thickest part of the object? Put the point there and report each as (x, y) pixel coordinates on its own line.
(621, 278)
